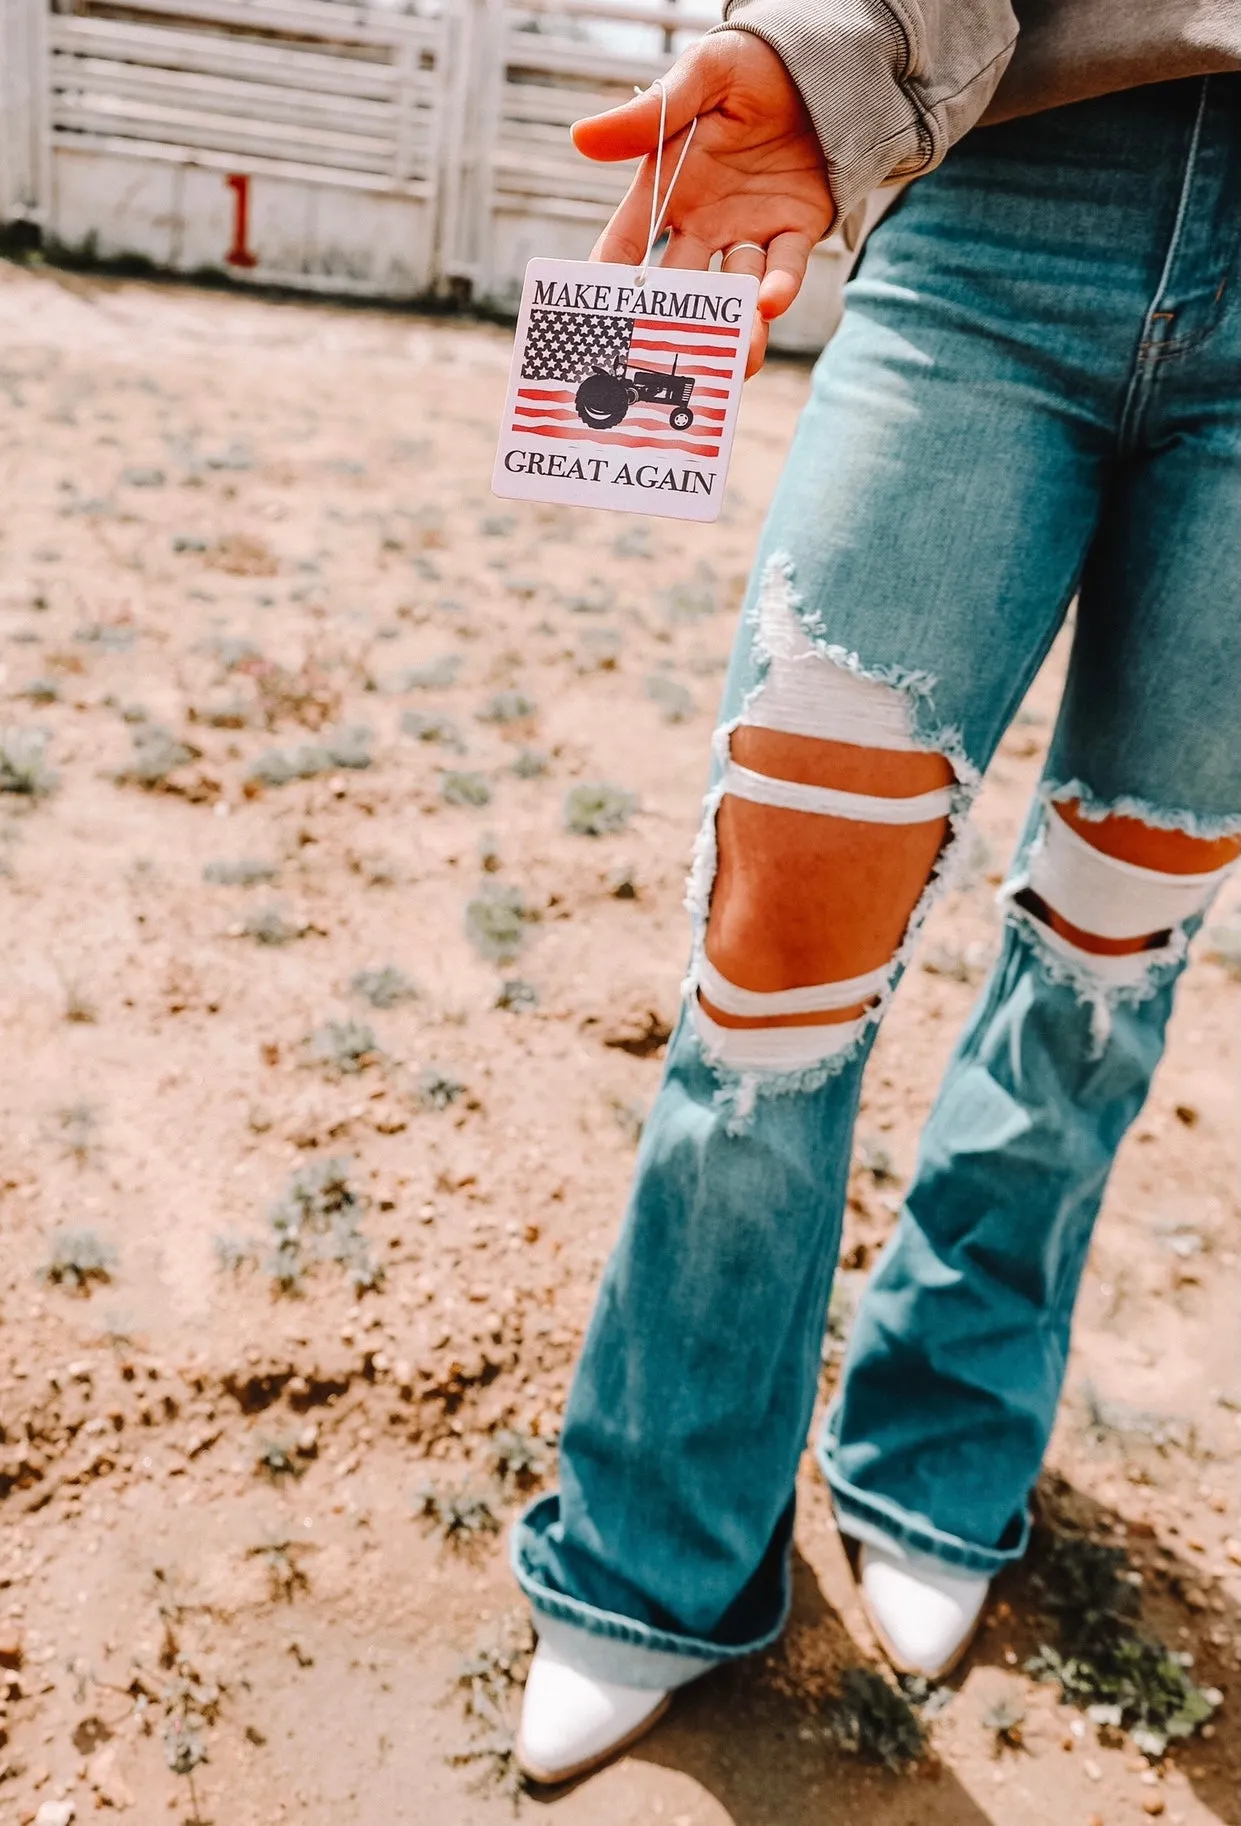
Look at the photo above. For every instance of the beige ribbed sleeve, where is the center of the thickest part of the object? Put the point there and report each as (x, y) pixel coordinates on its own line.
(889, 84)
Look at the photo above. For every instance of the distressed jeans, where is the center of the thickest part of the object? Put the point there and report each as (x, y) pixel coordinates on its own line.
(1034, 397)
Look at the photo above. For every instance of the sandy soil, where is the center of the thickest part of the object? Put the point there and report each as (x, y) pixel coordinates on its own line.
(233, 526)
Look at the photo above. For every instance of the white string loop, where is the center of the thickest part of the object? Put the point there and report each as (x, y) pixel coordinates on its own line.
(658, 213)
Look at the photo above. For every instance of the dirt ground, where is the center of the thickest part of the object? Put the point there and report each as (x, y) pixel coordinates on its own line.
(320, 1089)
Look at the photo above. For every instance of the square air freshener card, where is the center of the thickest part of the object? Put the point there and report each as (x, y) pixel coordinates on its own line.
(625, 394)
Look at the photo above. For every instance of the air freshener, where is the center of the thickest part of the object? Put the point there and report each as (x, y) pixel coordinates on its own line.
(624, 388)
(625, 382)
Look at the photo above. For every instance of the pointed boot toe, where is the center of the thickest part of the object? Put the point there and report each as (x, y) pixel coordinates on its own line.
(571, 1722)
(924, 1615)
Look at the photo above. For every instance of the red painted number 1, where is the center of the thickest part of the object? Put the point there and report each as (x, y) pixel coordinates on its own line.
(239, 253)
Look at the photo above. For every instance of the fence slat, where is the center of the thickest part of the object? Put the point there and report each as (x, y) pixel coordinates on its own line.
(186, 127)
(258, 165)
(312, 19)
(79, 77)
(212, 54)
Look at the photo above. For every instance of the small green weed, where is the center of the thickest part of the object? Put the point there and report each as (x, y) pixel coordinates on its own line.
(507, 707)
(927, 1699)
(597, 810)
(461, 1518)
(596, 599)
(246, 872)
(319, 1218)
(458, 788)
(346, 748)
(278, 766)
(1102, 1658)
(222, 712)
(383, 986)
(232, 1254)
(269, 926)
(436, 1090)
(431, 726)
(277, 1459)
(23, 763)
(516, 994)
(599, 650)
(519, 1459)
(437, 675)
(157, 753)
(871, 1720)
(78, 1124)
(79, 1259)
(487, 1682)
(108, 636)
(344, 1048)
(1005, 1720)
(191, 1706)
(496, 922)
(531, 765)
(283, 1558)
(874, 1158)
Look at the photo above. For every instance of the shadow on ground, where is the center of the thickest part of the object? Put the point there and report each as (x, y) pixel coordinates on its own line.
(752, 1737)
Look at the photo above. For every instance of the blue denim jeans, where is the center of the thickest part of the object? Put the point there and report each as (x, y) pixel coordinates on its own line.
(1035, 395)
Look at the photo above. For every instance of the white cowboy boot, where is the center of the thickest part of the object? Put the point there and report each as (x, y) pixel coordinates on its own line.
(571, 1722)
(923, 1614)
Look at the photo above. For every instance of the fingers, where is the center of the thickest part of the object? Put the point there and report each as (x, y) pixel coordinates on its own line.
(687, 251)
(624, 238)
(691, 86)
(748, 259)
(752, 260)
(787, 258)
(758, 347)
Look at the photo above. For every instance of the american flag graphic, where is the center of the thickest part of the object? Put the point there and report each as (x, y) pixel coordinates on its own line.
(651, 355)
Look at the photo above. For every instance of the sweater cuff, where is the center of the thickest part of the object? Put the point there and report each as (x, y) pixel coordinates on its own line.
(848, 67)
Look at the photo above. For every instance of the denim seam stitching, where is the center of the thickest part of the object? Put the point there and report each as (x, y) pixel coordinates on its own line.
(1143, 367)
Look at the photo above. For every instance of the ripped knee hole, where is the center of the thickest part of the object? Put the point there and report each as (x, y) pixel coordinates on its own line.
(810, 903)
(1116, 888)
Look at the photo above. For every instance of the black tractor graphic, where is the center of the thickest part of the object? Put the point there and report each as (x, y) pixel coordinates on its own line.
(605, 397)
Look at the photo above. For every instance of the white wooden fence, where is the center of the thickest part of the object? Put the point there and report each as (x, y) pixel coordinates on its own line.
(333, 145)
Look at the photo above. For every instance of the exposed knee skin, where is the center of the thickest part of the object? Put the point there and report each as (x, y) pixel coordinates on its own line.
(801, 898)
(827, 824)
(844, 764)
(1172, 852)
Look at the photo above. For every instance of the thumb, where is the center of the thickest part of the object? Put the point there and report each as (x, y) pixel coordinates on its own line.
(633, 129)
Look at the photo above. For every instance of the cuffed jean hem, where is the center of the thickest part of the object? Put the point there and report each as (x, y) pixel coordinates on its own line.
(624, 1664)
(880, 1522)
(608, 1646)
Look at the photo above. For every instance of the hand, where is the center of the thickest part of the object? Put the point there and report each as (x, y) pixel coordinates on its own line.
(755, 171)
